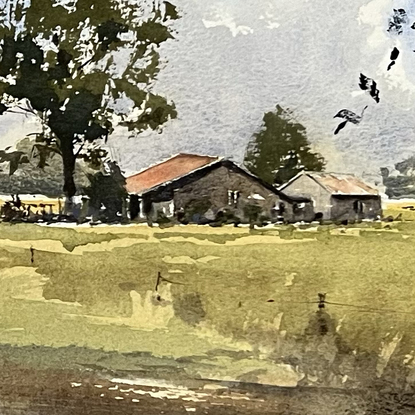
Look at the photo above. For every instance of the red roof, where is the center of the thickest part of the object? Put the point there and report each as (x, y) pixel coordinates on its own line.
(171, 169)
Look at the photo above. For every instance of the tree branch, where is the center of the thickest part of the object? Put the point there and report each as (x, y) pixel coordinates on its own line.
(26, 109)
(80, 149)
(85, 63)
(16, 112)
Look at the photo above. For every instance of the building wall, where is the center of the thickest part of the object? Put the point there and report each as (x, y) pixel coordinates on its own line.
(344, 208)
(307, 187)
(211, 193)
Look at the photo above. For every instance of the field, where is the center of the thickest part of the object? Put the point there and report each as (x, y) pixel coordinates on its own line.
(238, 304)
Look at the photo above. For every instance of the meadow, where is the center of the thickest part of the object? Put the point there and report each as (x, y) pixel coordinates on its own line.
(233, 303)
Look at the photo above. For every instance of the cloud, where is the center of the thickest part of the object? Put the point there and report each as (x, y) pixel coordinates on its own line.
(373, 13)
(397, 77)
(270, 20)
(223, 14)
(357, 93)
(229, 22)
(273, 25)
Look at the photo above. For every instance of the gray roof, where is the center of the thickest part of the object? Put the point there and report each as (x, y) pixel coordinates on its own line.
(341, 184)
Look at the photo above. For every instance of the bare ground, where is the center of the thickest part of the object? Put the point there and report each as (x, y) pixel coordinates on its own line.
(64, 392)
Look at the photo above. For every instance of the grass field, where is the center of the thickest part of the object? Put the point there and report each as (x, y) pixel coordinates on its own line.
(237, 305)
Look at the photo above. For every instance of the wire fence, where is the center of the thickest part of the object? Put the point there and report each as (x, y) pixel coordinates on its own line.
(322, 302)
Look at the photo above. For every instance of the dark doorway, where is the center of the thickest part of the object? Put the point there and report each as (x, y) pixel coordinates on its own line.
(134, 206)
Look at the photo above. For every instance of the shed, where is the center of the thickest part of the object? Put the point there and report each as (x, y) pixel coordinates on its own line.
(336, 196)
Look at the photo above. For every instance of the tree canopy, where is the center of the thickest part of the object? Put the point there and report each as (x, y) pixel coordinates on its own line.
(281, 149)
(83, 67)
(402, 183)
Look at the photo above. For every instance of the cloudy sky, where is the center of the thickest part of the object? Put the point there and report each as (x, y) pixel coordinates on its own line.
(234, 60)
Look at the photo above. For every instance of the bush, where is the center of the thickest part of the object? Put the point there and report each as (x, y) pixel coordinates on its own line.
(252, 212)
(264, 220)
(194, 211)
(226, 217)
(163, 220)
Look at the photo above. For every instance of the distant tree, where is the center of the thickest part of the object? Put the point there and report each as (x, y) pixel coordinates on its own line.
(280, 149)
(23, 170)
(99, 178)
(83, 67)
(401, 184)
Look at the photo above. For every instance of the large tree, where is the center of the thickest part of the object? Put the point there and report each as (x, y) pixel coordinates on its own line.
(83, 67)
(280, 149)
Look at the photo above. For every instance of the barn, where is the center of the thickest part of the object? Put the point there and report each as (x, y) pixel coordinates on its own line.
(199, 189)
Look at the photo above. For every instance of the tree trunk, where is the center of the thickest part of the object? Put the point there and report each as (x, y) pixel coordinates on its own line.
(126, 208)
(69, 186)
(84, 210)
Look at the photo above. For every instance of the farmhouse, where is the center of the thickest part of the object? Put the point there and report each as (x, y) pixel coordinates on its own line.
(337, 197)
(200, 189)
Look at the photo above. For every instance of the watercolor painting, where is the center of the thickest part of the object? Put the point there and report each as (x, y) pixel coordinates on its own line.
(207, 207)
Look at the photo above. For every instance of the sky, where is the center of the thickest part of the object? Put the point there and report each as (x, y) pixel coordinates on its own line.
(232, 61)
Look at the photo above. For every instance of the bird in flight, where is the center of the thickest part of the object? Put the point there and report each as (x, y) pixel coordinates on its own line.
(397, 21)
(393, 57)
(348, 116)
(368, 84)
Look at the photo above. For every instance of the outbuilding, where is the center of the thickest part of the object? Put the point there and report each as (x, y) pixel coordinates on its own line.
(336, 196)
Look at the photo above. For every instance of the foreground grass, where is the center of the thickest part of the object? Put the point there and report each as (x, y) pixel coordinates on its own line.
(236, 299)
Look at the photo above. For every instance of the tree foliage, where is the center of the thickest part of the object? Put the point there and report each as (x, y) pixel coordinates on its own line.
(107, 190)
(98, 177)
(402, 183)
(280, 149)
(83, 67)
(20, 172)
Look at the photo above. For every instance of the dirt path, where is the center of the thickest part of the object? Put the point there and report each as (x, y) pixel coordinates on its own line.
(47, 392)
